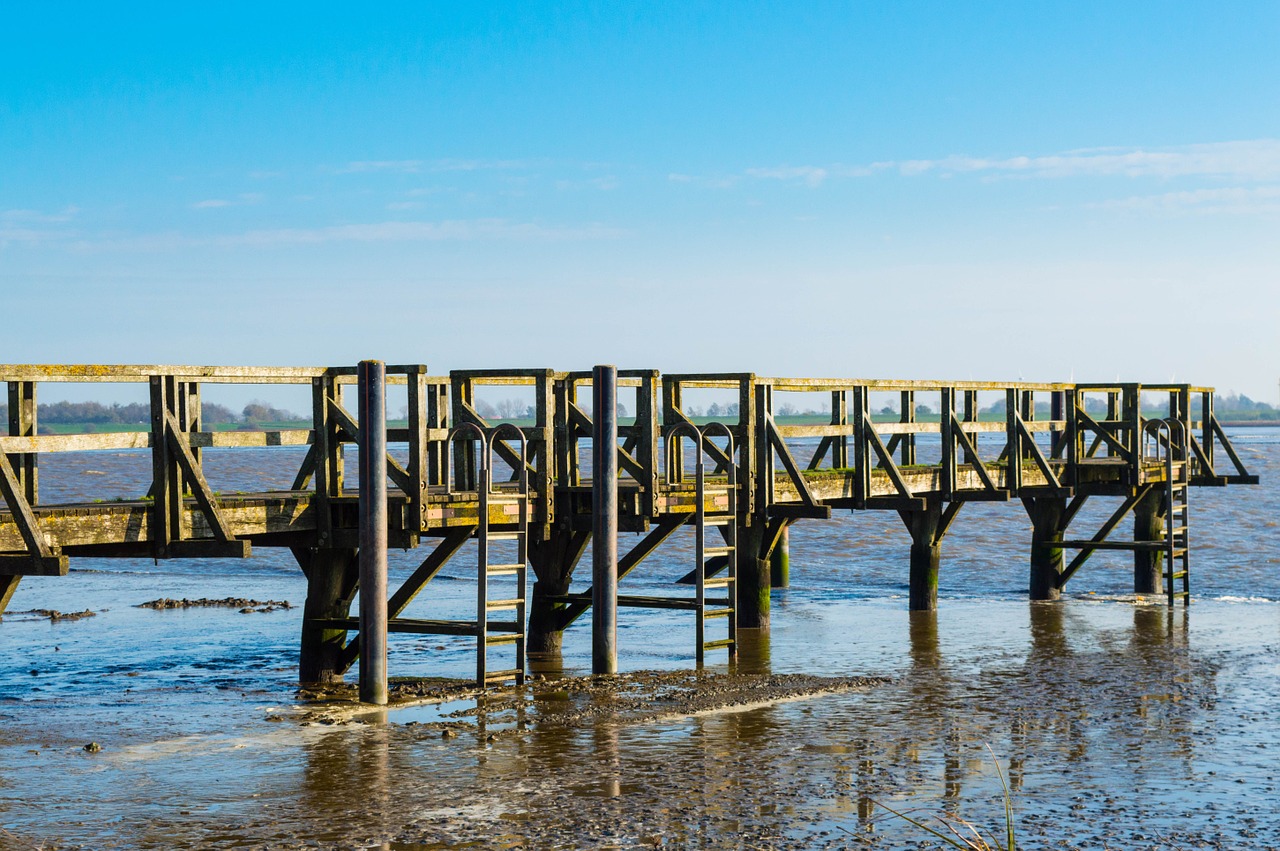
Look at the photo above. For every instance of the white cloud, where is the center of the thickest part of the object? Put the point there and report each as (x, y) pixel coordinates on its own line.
(472, 230)
(13, 217)
(1262, 199)
(400, 166)
(33, 226)
(1248, 160)
(811, 175)
(443, 231)
(211, 204)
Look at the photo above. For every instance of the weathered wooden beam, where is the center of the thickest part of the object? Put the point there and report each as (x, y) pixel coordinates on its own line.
(8, 585)
(886, 460)
(195, 476)
(11, 488)
(1107, 528)
(332, 581)
(662, 530)
(778, 445)
(31, 565)
(397, 473)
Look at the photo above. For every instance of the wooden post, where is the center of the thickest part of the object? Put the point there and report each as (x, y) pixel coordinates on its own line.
(331, 585)
(780, 561)
(755, 456)
(1148, 525)
(925, 527)
(22, 423)
(1047, 528)
(604, 517)
(373, 532)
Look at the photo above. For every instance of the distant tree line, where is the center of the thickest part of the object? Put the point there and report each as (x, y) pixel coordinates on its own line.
(1228, 406)
(139, 413)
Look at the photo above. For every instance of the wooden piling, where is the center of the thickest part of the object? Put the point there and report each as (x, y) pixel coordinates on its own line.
(1148, 525)
(553, 562)
(780, 560)
(332, 576)
(604, 511)
(1047, 515)
(373, 532)
(925, 526)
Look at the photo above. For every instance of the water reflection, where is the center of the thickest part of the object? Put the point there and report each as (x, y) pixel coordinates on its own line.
(1084, 703)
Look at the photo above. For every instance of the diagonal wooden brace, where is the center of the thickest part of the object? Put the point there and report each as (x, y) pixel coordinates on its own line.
(395, 472)
(41, 559)
(199, 486)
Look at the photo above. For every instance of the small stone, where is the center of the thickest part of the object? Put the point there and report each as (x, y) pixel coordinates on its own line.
(448, 734)
(93, 747)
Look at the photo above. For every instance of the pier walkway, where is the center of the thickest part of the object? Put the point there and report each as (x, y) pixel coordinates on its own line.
(524, 491)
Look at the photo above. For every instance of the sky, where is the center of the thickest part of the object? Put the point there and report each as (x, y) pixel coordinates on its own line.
(1040, 191)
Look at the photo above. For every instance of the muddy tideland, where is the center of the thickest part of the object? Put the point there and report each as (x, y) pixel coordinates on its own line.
(1116, 722)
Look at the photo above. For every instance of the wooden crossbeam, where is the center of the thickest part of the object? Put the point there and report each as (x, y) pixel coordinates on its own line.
(395, 471)
(944, 522)
(14, 495)
(1036, 455)
(1105, 436)
(886, 460)
(626, 461)
(413, 585)
(195, 476)
(508, 455)
(1227, 447)
(665, 528)
(307, 470)
(971, 453)
(717, 454)
(793, 470)
(1107, 528)
(23, 564)
(816, 461)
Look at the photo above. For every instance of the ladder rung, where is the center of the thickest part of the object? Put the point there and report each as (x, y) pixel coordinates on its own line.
(719, 642)
(512, 674)
(718, 521)
(494, 605)
(492, 640)
(1181, 574)
(717, 581)
(711, 552)
(717, 613)
(495, 569)
(505, 536)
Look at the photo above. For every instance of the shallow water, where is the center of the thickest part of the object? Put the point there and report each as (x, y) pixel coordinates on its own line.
(1119, 723)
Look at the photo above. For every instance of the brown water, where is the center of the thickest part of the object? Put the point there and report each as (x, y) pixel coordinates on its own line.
(1120, 724)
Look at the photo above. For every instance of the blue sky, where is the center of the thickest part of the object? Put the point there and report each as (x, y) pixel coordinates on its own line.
(923, 190)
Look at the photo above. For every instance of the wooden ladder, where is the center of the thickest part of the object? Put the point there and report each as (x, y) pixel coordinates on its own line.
(497, 633)
(1177, 551)
(725, 522)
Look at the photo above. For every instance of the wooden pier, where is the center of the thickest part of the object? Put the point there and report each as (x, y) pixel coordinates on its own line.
(742, 481)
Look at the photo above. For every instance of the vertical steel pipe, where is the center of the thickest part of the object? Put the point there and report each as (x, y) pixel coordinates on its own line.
(604, 514)
(372, 376)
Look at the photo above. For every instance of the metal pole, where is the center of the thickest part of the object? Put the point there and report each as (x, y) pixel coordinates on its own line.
(604, 514)
(371, 384)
